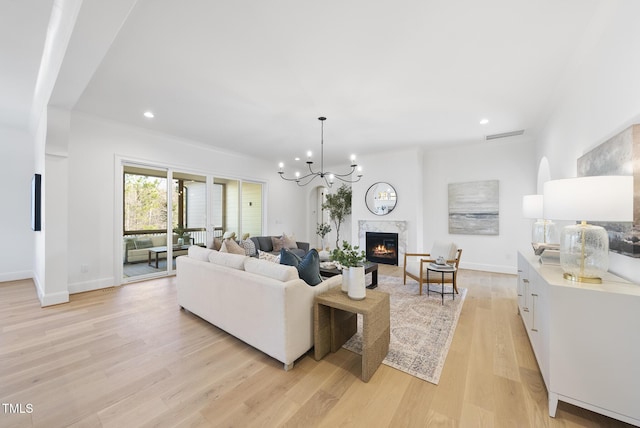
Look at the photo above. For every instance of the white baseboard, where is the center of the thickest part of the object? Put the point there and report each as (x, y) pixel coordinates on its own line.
(511, 270)
(96, 284)
(53, 298)
(15, 276)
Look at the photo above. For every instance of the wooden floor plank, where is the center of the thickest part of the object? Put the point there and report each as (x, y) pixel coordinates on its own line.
(129, 356)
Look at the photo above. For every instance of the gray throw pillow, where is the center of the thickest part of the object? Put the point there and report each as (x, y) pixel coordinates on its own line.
(265, 243)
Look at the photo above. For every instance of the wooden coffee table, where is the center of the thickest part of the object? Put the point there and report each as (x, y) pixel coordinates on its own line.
(369, 267)
(335, 318)
(161, 250)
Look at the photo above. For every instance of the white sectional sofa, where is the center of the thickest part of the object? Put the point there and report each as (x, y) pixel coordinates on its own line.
(261, 303)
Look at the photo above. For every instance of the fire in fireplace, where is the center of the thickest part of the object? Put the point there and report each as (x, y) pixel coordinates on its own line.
(382, 247)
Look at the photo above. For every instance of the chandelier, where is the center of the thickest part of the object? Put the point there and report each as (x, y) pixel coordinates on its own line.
(328, 176)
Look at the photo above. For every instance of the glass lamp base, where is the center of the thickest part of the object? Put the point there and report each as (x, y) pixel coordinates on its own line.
(544, 232)
(584, 252)
(571, 277)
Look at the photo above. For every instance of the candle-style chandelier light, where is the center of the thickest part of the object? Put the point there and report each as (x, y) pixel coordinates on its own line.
(328, 176)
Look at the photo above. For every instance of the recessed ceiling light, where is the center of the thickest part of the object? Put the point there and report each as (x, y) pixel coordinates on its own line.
(484, 121)
(149, 115)
(297, 158)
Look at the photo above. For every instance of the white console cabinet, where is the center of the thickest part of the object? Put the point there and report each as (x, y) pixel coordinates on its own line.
(586, 338)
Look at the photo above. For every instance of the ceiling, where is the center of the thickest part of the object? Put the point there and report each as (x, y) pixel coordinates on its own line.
(23, 28)
(253, 75)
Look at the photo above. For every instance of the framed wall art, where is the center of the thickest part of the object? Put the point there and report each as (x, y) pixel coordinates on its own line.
(619, 155)
(474, 208)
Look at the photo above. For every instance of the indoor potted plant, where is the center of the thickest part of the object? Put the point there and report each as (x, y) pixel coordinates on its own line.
(339, 206)
(350, 259)
(183, 235)
(322, 229)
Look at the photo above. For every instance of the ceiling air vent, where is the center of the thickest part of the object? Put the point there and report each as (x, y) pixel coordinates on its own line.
(504, 135)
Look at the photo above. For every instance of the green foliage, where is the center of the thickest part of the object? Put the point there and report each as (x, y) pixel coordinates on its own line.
(145, 203)
(339, 206)
(322, 229)
(348, 256)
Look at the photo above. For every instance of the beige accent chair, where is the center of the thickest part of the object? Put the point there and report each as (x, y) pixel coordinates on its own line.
(415, 264)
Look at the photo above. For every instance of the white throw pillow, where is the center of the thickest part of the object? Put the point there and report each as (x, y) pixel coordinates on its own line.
(268, 257)
(271, 270)
(199, 253)
(234, 261)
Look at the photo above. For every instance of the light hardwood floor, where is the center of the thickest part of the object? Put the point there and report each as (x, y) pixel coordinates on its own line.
(128, 356)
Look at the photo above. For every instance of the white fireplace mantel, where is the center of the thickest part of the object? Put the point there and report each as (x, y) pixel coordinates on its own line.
(399, 227)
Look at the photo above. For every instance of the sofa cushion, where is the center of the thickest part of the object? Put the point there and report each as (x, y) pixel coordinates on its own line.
(231, 246)
(289, 258)
(289, 241)
(215, 244)
(199, 253)
(234, 261)
(263, 255)
(271, 270)
(265, 243)
(143, 243)
(308, 267)
(249, 247)
(130, 243)
(277, 243)
(160, 240)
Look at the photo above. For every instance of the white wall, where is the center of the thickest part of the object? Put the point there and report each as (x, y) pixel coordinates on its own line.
(403, 170)
(16, 253)
(600, 98)
(512, 163)
(93, 148)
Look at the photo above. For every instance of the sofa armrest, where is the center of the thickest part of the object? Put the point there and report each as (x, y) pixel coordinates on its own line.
(303, 246)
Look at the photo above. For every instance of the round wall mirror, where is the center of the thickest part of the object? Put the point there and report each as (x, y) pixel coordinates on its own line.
(381, 198)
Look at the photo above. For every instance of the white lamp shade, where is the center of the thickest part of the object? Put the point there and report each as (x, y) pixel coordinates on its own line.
(532, 206)
(599, 198)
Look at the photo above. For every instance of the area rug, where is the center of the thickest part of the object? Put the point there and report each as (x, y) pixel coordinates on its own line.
(422, 327)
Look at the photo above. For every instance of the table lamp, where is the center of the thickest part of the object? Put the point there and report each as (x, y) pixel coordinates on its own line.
(543, 231)
(584, 248)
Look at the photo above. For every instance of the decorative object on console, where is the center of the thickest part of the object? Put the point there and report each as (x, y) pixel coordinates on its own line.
(544, 231)
(328, 176)
(381, 198)
(349, 259)
(584, 248)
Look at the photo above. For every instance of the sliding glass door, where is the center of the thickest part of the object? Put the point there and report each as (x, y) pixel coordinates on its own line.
(145, 221)
(164, 211)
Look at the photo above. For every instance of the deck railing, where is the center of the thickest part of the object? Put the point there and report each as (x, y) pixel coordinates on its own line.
(198, 235)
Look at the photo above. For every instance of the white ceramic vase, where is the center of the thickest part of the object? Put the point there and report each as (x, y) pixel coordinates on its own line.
(355, 289)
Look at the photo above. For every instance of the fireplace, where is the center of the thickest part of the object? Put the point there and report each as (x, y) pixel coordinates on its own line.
(382, 247)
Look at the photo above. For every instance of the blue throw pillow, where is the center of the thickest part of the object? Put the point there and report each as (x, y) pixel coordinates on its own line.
(288, 258)
(308, 267)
